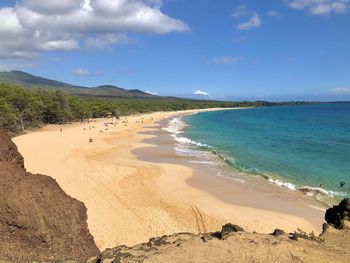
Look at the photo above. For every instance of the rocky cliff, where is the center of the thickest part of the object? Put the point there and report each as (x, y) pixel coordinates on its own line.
(38, 221)
(233, 244)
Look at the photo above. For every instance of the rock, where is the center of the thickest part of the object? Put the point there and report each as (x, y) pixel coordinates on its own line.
(38, 220)
(294, 236)
(242, 247)
(336, 215)
(278, 232)
(9, 152)
(229, 228)
(325, 228)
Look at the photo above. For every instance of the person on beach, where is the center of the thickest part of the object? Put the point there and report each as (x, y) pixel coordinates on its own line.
(342, 183)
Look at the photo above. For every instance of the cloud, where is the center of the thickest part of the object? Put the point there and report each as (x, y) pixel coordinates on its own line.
(15, 65)
(201, 93)
(107, 41)
(341, 91)
(55, 59)
(152, 93)
(320, 7)
(253, 22)
(272, 13)
(226, 60)
(240, 11)
(85, 73)
(35, 26)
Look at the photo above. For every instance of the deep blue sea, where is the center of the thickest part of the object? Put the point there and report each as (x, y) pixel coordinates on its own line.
(303, 147)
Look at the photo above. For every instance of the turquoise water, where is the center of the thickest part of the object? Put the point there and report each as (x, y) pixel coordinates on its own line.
(305, 145)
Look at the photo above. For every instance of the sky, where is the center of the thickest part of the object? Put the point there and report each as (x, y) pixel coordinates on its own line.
(212, 49)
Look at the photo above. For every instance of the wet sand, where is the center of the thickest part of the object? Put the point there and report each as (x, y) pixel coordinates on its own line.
(228, 185)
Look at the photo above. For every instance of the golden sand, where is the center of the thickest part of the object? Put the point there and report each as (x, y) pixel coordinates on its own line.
(128, 200)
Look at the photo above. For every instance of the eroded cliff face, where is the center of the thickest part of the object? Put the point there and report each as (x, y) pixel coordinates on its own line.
(38, 221)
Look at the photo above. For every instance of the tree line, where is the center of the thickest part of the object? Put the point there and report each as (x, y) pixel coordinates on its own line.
(22, 108)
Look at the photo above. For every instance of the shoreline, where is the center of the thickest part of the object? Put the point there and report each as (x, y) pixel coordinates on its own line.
(130, 200)
(226, 184)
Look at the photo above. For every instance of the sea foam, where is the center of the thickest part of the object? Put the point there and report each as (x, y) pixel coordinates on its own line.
(188, 147)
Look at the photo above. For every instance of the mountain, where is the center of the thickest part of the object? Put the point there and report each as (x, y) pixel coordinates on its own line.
(27, 80)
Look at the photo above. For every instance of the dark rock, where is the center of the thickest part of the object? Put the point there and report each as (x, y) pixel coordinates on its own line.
(157, 242)
(325, 227)
(216, 234)
(294, 236)
(336, 215)
(226, 230)
(278, 232)
(38, 220)
(229, 228)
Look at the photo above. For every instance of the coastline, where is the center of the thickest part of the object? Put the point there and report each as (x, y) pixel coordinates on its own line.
(131, 199)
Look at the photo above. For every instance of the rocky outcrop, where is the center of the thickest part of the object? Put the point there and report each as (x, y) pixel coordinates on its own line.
(38, 221)
(339, 215)
(236, 246)
(233, 244)
(9, 152)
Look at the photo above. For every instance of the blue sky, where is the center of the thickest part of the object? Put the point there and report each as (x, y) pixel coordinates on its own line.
(273, 50)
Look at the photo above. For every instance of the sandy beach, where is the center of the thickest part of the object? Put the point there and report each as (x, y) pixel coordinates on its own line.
(135, 187)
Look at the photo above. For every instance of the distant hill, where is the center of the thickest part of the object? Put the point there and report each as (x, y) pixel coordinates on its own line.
(27, 80)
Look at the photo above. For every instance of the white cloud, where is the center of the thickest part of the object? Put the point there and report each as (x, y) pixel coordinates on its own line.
(152, 93)
(253, 22)
(201, 93)
(341, 91)
(34, 26)
(320, 7)
(15, 65)
(65, 45)
(85, 73)
(107, 41)
(273, 13)
(226, 60)
(240, 11)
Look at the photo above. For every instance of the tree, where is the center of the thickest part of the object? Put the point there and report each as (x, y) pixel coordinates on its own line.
(8, 117)
(24, 102)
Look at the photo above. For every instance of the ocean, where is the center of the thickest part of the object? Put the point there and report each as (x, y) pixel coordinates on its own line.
(303, 148)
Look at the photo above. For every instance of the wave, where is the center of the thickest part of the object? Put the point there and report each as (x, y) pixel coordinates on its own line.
(317, 192)
(176, 126)
(202, 162)
(283, 184)
(314, 191)
(187, 141)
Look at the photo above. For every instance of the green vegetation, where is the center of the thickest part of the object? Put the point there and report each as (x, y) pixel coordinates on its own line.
(25, 108)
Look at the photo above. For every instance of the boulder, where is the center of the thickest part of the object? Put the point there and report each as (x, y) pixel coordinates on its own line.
(336, 215)
(229, 228)
(278, 232)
